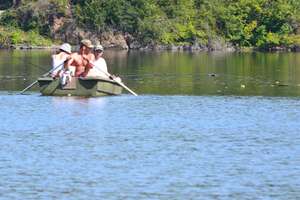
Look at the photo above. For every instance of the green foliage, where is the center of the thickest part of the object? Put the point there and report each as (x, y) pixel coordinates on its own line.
(15, 36)
(9, 18)
(157, 20)
(245, 23)
(262, 23)
(34, 16)
(4, 39)
(34, 38)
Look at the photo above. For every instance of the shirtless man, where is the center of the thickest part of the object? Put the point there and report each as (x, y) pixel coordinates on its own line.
(82, 60)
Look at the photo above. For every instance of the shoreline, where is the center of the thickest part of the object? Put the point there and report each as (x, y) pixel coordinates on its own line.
(171, 48)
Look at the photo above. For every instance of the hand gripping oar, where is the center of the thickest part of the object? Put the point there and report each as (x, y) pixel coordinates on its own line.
(118, 82)
(35, 82)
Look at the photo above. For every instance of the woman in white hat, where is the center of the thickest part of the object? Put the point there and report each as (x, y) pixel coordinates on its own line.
(59, 59)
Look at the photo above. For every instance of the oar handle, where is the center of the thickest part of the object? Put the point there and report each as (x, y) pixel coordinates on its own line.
(46, 74)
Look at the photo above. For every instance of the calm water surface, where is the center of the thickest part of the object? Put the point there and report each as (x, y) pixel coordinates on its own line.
(175, 73)
(206, 126)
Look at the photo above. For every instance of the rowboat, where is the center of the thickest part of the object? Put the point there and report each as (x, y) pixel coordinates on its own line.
(79, 86)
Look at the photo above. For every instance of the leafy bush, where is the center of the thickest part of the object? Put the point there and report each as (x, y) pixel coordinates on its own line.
(15, 36)
(9, 18)
(36, 16)
(35, 39)
(4, 39)
(246, 23)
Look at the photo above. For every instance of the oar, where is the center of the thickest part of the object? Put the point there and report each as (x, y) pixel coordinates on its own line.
(118, 82)
(29, 86)
(35, 82)
(123, 85)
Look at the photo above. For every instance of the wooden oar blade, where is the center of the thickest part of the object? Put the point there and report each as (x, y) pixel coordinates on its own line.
(28, 87)
(125, 87)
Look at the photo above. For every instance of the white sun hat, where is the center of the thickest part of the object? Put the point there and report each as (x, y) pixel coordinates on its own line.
(99, 48)
(66, 47)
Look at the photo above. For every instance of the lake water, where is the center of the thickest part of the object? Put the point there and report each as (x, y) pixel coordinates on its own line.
(175, 73)
(205, 126)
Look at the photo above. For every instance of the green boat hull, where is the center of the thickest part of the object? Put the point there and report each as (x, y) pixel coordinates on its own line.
(87, 87)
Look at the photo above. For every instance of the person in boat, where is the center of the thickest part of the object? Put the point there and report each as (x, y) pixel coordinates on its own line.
(99, 65)
(82, 60)
(59, 59)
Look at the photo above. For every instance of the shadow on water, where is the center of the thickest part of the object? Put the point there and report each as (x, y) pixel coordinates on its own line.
(175, 73)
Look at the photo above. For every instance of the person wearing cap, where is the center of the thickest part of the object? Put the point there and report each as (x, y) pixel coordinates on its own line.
(59, 58)
(100, 67)
(83, 59)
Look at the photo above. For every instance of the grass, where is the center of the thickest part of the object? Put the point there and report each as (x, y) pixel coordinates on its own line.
(14, 36)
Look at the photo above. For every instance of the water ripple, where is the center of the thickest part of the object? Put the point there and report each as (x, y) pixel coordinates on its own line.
(150, 147)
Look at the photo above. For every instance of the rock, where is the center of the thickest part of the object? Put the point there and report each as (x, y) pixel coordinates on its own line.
(73, 35)
(296, 48)
(172, 47)
(186, 47)
(113, 40)
(212, 75)
(195, 47)
(277, 49)
(58, 23)
(230, 47)
(135, 45)
(217, 44)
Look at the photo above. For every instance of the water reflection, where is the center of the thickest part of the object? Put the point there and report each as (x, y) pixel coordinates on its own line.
(167, 73)
(81, 102)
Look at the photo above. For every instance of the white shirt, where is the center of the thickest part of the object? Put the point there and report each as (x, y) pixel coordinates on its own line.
(100, 67)
(57, 65)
